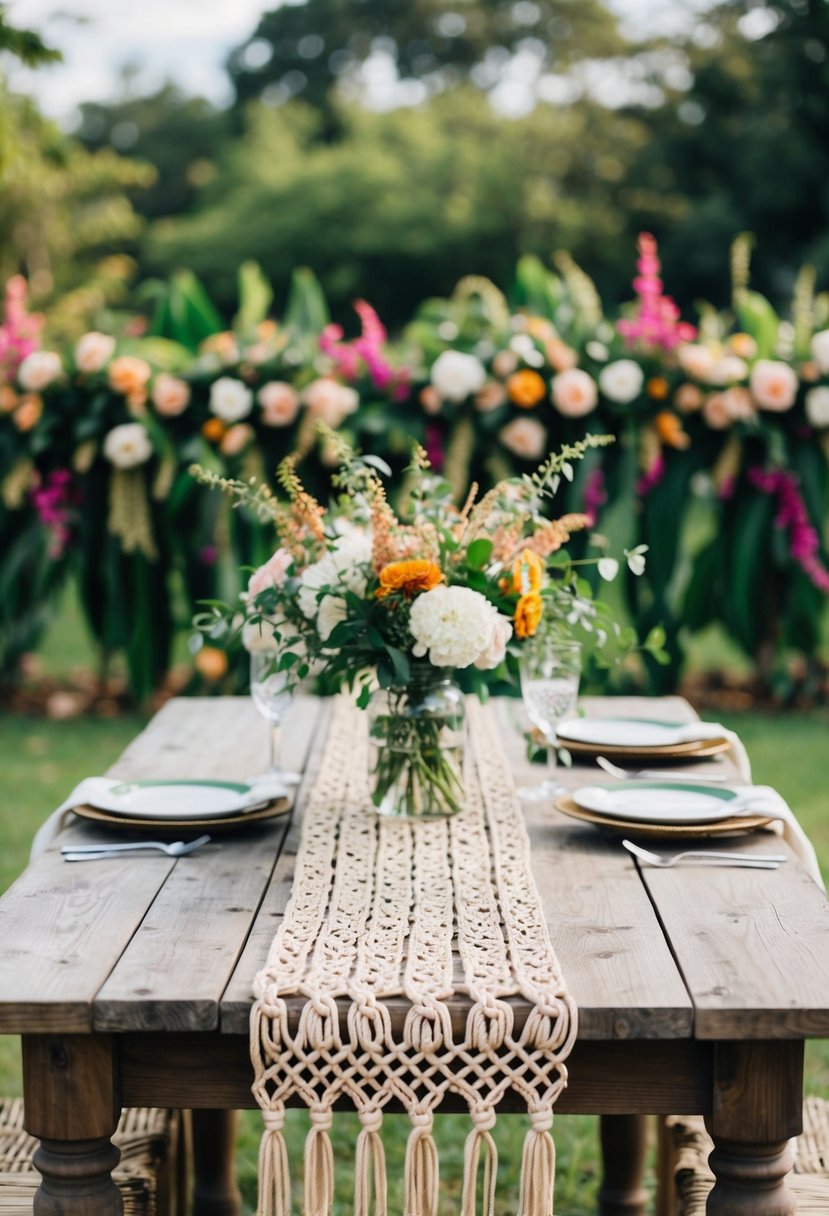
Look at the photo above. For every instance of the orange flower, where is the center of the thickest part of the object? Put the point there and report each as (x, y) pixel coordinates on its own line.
(409, 577)
(658, 388)
(743, 345)
(213, 430)
(211, 663)
(8, 399)
(129, 375)
(27, 415)
(528, 612)
(527, 573)
(526, 389)
(669, 429)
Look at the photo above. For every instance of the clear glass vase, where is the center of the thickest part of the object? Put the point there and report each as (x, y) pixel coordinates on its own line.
(416, 742)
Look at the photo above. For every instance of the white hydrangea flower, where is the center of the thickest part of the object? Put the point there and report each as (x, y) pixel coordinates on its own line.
(817, 405)
(621, 381)
(820, 350)
(128, 446)
(454, 625)
(457, 376)
(230, 399)
(343, 566)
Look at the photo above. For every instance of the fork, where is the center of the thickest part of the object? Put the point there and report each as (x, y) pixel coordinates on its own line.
(657, 775)
(756, 861)
(91, 852)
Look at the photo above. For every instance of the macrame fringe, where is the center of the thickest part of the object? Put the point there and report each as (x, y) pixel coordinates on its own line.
(370, 1166)
(319, 1166)
(538, 1167)
(420, 1178)
(479, 1141)
(274, 1176)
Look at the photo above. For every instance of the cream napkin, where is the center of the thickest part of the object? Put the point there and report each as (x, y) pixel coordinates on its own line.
(84, 792)
(715, 730)
(787, 825)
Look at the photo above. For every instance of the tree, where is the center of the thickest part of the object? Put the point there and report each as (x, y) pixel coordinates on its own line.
(25, 45)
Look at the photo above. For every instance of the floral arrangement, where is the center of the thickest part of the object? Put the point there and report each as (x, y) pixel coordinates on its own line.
(367, 596)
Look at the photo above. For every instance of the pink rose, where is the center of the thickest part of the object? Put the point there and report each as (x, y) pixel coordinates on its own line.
(773, 385)
(574, 393)
(490, 397)
(236, 439)
(716, 413)
(279, 402)
(171, 396)
(331, 401)
(272, 574)
(525, 437)
(496, 647)
(92, 351)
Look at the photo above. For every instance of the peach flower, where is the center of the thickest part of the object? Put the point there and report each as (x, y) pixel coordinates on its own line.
(331, 401)
(279, 402)
(28, 413)
(574, 393)
(688, 398)
(695, 360)
(504, 363)
(272, 574)
(524, 437)
(430, 399)
(490, 397)
(236, 439)
(171, 396)
(561, 356)
(92, 351)
(129, 375)
(773, 385)
(716, 413)
(38, 370)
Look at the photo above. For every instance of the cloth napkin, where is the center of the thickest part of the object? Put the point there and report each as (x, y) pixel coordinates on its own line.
(85, 792)
(715, 730)
(787, 826)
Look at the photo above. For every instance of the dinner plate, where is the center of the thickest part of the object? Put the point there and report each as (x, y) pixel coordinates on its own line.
(179, 801)
(635, 739)
(733, 826)
(675, 803)
(168, 827)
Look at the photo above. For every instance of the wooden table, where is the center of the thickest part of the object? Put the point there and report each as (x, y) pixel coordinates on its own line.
(130, 982)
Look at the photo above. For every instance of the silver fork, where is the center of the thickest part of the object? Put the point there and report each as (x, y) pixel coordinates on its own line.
(657, 774)
(92, 852)
(751, 861)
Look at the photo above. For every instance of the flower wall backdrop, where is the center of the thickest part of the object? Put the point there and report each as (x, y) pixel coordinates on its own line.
(720, 464)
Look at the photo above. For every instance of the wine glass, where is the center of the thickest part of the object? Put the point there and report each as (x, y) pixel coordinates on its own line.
(272, 695)
(550, 669)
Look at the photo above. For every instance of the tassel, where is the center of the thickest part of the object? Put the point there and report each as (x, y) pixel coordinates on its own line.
(538, 1167)
(319, 1166)
(370, 1153)
(274, 1179)
(479, 1139)
(420, 1179)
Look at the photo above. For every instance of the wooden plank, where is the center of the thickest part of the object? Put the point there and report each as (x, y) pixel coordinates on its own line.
(751, 945)
(214, 1070)
(610, 944)
(172, 974)
(238, 996)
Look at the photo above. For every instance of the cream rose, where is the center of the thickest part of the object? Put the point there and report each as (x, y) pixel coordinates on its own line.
(817, 405)
(230, 399)
(728, 370)
(820, 350)
(272, 574)
(38, 370)
(621, 381)
(93, 351)
(279, 402)
(457, 376)
(496, 648)
(773, 385)
(171, 396)
(128, 446)
(524, 437)
(331, 401)
(695, 360)
(574, 393)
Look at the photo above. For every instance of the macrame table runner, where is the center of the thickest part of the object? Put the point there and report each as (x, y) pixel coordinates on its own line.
(376, 909)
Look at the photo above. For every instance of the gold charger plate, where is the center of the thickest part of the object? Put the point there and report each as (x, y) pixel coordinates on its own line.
(723, 827)
(698, 749)
(214, 824)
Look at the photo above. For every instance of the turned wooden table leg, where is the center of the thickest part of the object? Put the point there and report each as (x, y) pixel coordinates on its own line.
(215, 1192)
(72, 1106)
(624, 1141)
(757, 1108)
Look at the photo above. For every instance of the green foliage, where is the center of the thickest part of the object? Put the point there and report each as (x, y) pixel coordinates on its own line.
(25, 45)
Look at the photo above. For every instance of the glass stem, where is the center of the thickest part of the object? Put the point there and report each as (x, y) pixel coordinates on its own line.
(276, 747)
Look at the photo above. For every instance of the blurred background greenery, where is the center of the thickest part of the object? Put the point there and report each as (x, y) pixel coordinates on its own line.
(395, 147)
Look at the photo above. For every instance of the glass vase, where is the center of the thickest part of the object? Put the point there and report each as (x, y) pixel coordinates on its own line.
(416, 742)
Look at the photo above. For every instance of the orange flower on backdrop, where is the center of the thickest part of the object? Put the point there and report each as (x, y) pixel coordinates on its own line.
(211, 663)
(658, 388)
(669, 429)
(408, 577)
(526, 388)
(213, 430)
(528, 613)
(526, 575)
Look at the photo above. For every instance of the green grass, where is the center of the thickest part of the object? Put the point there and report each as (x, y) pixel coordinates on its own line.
(42, 759)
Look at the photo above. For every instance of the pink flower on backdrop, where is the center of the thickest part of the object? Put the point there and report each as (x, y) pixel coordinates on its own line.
(656, 323)
(20, 331)
(54, 500)
(366, 349)
(595, 495)
(651, 476)
(434, 446)
(804, 542)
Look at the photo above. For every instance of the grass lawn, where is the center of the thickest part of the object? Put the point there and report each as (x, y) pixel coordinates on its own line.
(42, 760)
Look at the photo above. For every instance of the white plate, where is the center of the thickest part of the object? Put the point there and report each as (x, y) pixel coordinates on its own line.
(181, 799)
(664, 802)
(626, 732)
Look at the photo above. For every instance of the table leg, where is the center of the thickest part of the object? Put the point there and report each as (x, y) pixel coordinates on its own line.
(215, 1192)
(72, 1106)
(757, 1107)
(624, 1142)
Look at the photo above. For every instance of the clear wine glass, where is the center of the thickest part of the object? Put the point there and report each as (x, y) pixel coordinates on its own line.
(550, 671)
(272, 696)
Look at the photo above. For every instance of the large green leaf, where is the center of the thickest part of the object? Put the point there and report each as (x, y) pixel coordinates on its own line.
(757, 317)
(184, 312)
(306, 311)
(255, 297)
(748, 571)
